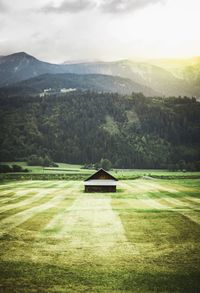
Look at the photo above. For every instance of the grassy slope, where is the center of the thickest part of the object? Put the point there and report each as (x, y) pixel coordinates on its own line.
(144, 238)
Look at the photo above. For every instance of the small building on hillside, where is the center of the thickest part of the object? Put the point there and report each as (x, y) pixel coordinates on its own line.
(101, 181)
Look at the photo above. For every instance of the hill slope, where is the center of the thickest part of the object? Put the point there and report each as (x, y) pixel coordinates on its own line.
(21, 66)
(163, 77)
(187, 70)
(92, 82)
(83, 127)
(155, 77)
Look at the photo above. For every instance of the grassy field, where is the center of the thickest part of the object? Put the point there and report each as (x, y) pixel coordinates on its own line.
(62, 167)
(76, 172)
(56, 238)
(72, 168)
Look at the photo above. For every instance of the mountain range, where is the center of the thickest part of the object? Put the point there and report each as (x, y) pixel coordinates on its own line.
(54, 83)
(164, 77)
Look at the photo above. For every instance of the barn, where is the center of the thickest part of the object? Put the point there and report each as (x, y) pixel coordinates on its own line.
(101, 181)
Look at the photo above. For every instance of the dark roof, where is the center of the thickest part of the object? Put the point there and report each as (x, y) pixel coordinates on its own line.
(99, 172)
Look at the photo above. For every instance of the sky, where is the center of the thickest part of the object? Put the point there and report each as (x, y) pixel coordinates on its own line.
(64, 30)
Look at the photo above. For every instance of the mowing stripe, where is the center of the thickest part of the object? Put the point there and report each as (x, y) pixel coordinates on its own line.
(159, 187)
(6, 197)
(16, 184)
(192, 216)
(193, 199)
(192, 204)
(151, 202)
(25, 202)
(5, 192)
(168, 198)
(143, 187)
(58, 222)
(91, 222)
(21, 217)
(175, 202)
(18, 195)
(168, 202)
(15, 220)
(144, 198)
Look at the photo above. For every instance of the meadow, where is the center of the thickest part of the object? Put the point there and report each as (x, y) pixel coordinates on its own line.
(77, 172)
(56, 238)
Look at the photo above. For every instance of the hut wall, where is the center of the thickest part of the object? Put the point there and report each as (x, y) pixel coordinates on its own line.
(92, 188)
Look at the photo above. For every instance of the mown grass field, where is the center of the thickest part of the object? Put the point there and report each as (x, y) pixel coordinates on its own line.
(56, 238)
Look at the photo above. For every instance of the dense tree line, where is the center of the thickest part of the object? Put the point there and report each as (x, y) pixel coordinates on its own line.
(84, 127)
(14, 168)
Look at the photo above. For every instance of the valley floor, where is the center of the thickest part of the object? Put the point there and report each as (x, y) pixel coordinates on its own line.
(56, 238)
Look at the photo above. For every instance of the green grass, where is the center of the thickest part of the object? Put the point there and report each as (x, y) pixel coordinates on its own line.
(56, 238)
(62, 167)
(72, 168)
(76, 172)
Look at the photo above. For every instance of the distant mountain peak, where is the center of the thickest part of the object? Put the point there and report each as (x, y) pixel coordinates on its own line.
(21, 55)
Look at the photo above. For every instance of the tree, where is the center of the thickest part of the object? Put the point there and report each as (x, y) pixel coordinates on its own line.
(34, 160)
(97, 166)
(105, 164)
(130, 131)
(46, 161)
(17, 168)
(5, 169)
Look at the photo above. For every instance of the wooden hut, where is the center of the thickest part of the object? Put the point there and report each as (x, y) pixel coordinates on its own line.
(101, 181)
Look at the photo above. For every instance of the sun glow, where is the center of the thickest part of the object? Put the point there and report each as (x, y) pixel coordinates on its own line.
(170, 30)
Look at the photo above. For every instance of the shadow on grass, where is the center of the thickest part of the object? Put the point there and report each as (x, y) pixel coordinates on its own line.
(28, 277)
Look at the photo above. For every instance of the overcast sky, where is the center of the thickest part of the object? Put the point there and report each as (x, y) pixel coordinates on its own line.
(59, 30)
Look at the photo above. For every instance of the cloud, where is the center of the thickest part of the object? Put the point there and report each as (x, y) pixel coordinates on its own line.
(108, 6)
(2, 6)
(70, 6)
(122, 6)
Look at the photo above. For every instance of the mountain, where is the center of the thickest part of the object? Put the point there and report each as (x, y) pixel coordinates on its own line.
(159, 79)
(176, 66)
(21, 66)
(92, 82)
(186, 70)
(191, 73)
(167, 77)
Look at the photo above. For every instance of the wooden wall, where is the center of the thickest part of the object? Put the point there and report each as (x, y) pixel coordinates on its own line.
(91, 188)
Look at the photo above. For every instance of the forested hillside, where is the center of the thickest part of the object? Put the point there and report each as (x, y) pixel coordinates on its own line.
(83, 127)
(88, 82)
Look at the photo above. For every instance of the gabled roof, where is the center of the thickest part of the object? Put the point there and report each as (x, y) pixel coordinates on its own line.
(99, 172)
